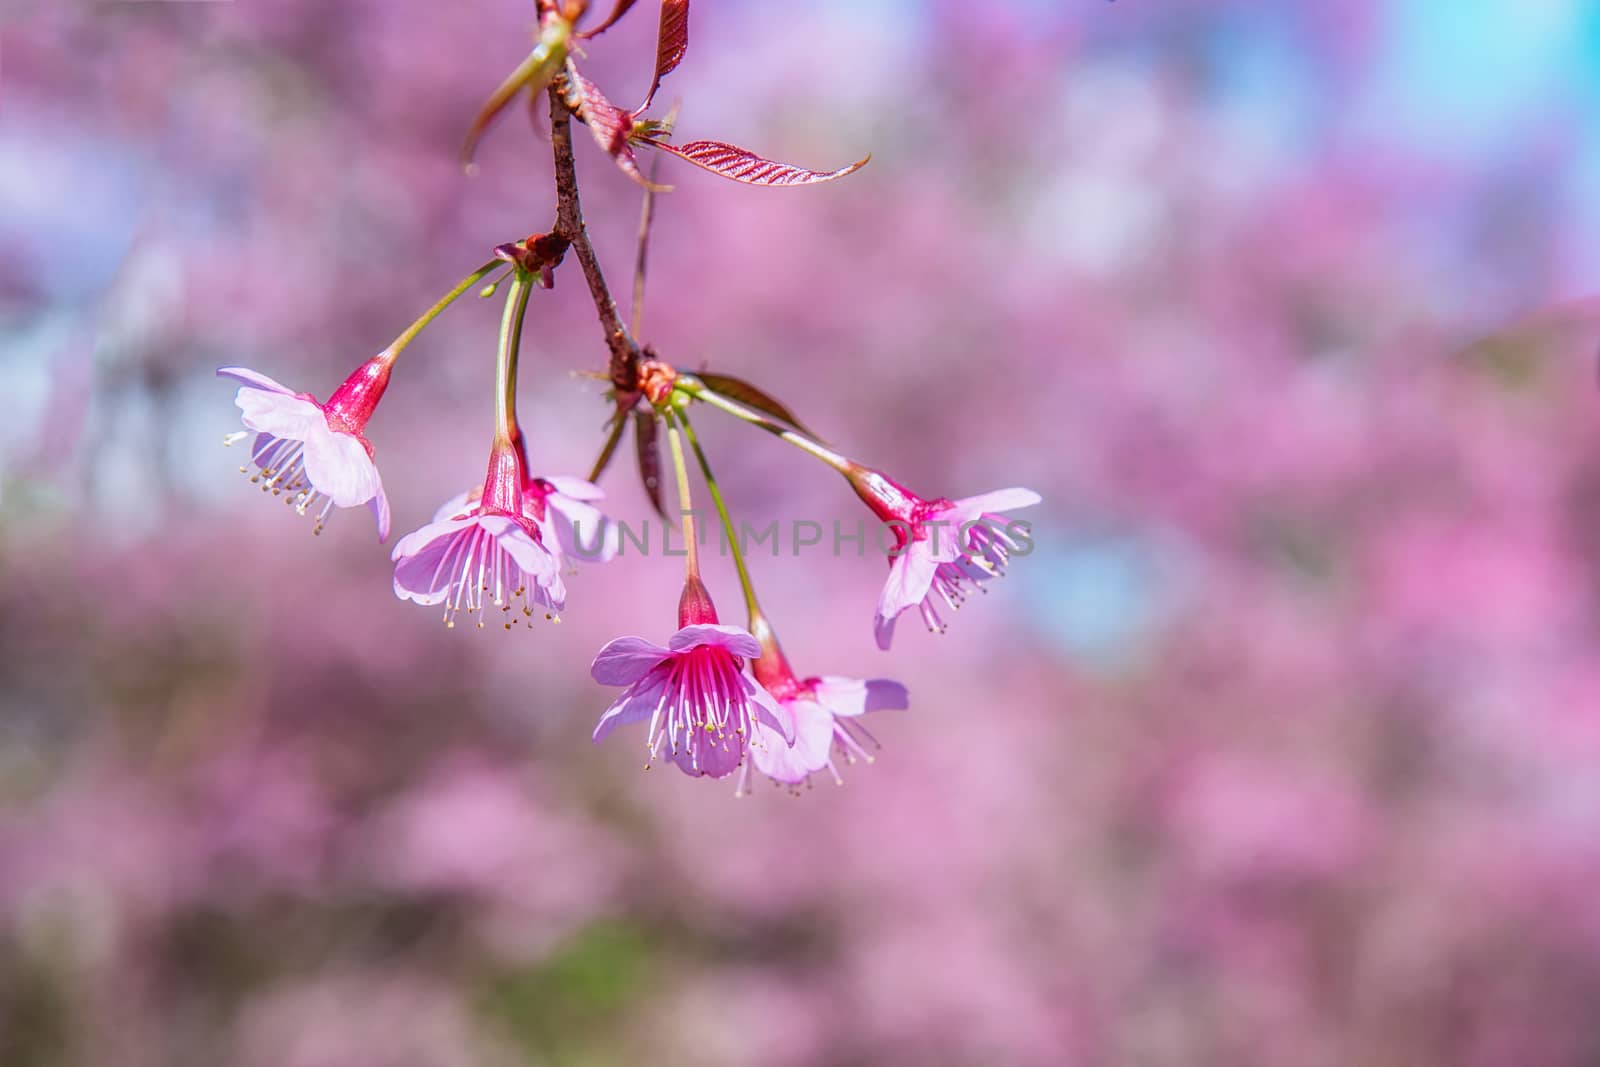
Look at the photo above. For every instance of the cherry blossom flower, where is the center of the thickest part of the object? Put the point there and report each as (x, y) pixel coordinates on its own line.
(945, 547)
(315, 456)
(482, 549)
(826, 712)
(574, 527)
(702, 709)
(570, 525)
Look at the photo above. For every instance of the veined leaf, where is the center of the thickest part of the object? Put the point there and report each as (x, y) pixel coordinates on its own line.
(619, 9)
(646, 438)
(533, 73)
(610, 125)
(743, 165)
(672, 41)
(750, 396)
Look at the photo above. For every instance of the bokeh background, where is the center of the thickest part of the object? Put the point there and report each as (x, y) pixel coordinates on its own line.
(1281, 748)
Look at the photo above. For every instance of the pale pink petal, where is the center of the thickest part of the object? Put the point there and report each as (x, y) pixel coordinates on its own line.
(254, 380)
(775, 757)
(708, 756)
(625, 660)
(809, 753)
(576, 488)
(379, 505)
(417, 556)
(413, 542)
(280, 414)
(853, 696)
(550, 590)
(732, 638)
(636, 704)
(767, 710)
(530, 555)
(999, 500)
(338, 466)
(943, 542)
(454, 507)
(883, 631)
(582, 530)
(910, 577)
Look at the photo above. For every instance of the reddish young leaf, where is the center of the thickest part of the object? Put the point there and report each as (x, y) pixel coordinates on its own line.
(645, 438)
(672, 41)
(742, 165)
(610, 124)
(617, 11)
(747, 394)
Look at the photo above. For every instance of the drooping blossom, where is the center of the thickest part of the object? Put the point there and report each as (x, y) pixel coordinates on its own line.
(316, 456)
(944, 548)
(570, 525)
(702, 709)
(826, 712)
(484, 549)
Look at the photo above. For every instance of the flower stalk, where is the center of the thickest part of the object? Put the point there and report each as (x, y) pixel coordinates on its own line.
(694, 606)
(399, 344)
(691, 386)
(745, 584)
(505, 425)
(685, 503)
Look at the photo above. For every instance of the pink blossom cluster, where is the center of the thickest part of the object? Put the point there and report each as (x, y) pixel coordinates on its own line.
(1284, 751)
(508, 542)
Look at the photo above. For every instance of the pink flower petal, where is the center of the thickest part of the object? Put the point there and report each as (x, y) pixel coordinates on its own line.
(582, 530)
(551, 590)
(735, 640)
(338, 466)
(999, 500)
(776, 758)
(910, 577)
(710, 758)
(254, 380)
(636, 704)
(625, 660)
(417, 557)
(853, 696)
(769, 711)
(280, 414)
(576, 488)
(883, 631)
(379, 506)
(454, 507)
(527, 553)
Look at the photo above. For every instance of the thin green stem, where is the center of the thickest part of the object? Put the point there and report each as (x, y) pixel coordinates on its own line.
(619, 425)
(749, 588)
(505, 384)
(685, 503)
(399, 343)
(698, 390)
(489, 290)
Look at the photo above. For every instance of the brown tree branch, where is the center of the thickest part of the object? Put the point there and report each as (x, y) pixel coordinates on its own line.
(624, 362)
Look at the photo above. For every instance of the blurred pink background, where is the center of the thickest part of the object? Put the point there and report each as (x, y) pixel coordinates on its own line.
(1281, 748)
